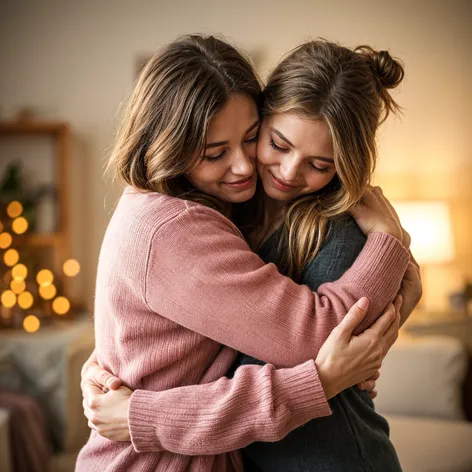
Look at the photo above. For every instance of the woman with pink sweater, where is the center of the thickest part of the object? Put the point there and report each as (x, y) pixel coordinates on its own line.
(179, 290)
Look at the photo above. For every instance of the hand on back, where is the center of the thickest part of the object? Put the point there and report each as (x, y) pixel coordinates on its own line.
(345, 360)
(374, 213)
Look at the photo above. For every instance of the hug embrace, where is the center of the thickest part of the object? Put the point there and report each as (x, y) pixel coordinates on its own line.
(251, 280)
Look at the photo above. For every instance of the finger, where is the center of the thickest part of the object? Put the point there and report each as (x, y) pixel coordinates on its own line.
(397, 303)
(375, 376)
(92, 426)
(90, 390)
(367, 385)
(353, 317)
(373, 394)
(413, 260)
(384, 322)
(103, 378)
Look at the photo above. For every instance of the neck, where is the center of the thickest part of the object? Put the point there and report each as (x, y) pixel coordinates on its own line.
(273, 208)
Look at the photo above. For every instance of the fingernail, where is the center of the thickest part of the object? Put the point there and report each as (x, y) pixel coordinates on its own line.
(363, 303)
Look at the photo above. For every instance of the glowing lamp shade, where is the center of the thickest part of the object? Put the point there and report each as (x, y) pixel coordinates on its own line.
(429, 225)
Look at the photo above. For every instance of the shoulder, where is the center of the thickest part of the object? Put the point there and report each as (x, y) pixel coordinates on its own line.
(345, 231)
(154, 211)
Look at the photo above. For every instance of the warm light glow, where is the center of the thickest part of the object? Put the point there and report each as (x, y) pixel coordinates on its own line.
(48, 292)
(45, 277)
(5, 240)
(1, 226)
(31, 324)
(17, 286)
(14, 209)
(11, 257)
(25, 300)
(71, 268)
(61, 305)
(19, 272)
(429, 225)
(19, 225)
(8, 299)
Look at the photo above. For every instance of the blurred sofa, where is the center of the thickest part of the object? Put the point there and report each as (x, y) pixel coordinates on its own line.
(420, 393)
(46, 367)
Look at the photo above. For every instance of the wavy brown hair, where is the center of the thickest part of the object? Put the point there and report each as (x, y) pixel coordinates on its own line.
(165, 123)
(348, 90)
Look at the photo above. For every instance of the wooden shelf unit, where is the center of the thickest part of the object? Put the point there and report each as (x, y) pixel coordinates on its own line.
(59, 241)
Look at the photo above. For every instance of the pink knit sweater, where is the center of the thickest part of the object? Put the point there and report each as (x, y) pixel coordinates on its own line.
(178, 291)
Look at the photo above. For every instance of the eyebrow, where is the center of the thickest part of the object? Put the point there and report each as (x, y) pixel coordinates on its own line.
(222, 143)
(283, 138)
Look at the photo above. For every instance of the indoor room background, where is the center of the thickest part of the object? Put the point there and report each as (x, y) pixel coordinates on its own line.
(75, 62)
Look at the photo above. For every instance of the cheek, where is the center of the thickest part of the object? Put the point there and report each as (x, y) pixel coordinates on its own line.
(206, 175)
(265, 154)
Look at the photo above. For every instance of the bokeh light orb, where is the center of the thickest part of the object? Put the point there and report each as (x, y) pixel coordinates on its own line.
(71, 268)
(31, 324)
(61, 305)
(19, 225)
(14, 209)
(19, 272)
(48, 292)
(44, 277)
(5, 240)
(25, 300)
(11, 257)
(17, 286)
(8, 299)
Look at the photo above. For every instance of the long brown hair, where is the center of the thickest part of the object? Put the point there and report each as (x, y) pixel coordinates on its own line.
(165, 123)
(348, 90)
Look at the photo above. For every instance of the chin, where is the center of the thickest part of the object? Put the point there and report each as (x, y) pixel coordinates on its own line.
(277, 194)
(242, 196)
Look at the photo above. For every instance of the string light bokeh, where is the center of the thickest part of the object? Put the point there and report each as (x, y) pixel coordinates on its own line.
(29, 293)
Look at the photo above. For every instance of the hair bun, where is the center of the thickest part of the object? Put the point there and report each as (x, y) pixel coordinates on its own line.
(387, 70)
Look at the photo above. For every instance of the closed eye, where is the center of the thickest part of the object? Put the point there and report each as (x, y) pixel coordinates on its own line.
(215, 158)
(319, 169)
(277, 148)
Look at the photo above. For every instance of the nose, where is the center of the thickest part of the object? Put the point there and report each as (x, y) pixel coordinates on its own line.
(289, 168)
(242, 164)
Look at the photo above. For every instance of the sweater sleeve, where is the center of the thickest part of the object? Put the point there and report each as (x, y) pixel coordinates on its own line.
(202, 275)
(257, 404)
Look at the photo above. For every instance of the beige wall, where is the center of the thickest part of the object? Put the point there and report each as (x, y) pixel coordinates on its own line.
(75, 60)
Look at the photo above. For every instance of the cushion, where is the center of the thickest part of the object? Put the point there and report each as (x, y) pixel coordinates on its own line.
(429, 445)
(423, 377)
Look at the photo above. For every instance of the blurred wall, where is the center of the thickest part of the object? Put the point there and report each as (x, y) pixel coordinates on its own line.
(76, 61)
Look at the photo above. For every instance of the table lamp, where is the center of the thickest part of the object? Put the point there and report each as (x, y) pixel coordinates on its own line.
(430, 228)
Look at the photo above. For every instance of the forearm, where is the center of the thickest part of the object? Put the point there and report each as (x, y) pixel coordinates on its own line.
(229, 295)
(257, 404)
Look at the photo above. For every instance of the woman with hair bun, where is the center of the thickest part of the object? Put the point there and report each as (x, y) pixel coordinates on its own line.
(316, 154)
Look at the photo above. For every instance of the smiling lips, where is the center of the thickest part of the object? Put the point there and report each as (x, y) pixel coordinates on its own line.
(280, 185)
(241, 184)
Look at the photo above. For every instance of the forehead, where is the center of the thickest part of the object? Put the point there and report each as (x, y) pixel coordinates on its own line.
(239, 113)
(308, 136)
